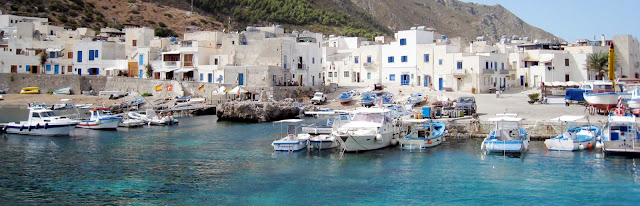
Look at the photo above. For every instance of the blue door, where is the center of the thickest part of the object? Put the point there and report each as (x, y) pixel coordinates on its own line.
(210, 75)
(440, 82)
(427, 80)
(47, 67)
(56, 69)
(80, 72)
(140, 74)
(521, 80)
(404, 79)
(240, 79)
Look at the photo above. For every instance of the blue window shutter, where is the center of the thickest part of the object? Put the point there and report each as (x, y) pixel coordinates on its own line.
(96, 52)
(368, 59)
(440, 61)
(459, 65)
(356, 60)
(211, 77)
(28, 68)
(392, 77)
(502, 66)
(141, 61)
(426, 57)
(486, 65)
(47, 67)
(201, 77)
(79, 56)
(91, 55)
(52, 55)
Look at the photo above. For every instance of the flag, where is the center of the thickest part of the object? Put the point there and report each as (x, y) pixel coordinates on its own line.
(159, 88)
(170, 87)
(201, 88)
(619, 102)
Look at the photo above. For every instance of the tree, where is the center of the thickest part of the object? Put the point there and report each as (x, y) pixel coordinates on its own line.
(43, 59)
(598, 62)
(149, 71)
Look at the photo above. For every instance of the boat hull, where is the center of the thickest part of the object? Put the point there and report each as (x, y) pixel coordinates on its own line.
(108, 123)
(419, 143)
(634, 103)
(568, 145)
(323, 142)
(355, 143)
(505, 146)
(40, 130)
(317, 129)
(621, 147)
(290, 146)
(603, 101)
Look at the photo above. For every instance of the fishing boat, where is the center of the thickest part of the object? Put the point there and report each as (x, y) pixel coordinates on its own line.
(152, 118)
(324, 141)
(293, 141)
(345, 97)
(634, 100)
(41, 122)
(417, 98)
(603, 101)
(620, 135)
(368, 99)
(30, 90)
(424, 134)
(575, 137)
(387, 98)
(66, 90)
(368, 129)
(507, 136)
(101, 118)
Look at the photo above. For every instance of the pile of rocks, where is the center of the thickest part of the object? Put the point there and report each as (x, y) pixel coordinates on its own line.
(252, 111)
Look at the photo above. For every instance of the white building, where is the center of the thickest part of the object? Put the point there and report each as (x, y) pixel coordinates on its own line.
(94, 57)
(399, 64)
(352, 61)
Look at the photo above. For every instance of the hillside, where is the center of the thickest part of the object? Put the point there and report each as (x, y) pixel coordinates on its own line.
(366, 18)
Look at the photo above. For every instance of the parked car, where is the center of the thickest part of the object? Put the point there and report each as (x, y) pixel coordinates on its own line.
(467, 104)
(318, 98)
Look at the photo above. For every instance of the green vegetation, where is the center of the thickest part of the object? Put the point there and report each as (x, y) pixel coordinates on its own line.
(11, 78)
(598, 62)
(146, 94)
(168, 15)
(149, 71)
(50, 92)
(164, 32)
(534, 96)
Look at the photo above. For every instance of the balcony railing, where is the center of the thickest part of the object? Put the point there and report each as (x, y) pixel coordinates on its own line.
(367, 64)
(188, 64)
(459, 71)
(170, 63)
(504, 71)
(488, 71)
(302, 66)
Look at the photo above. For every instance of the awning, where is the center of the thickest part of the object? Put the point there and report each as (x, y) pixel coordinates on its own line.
(171, 52)
(53, 50)
(114, 68)
(165, 70)
(529, 59)
(183, 70)
(238, 89)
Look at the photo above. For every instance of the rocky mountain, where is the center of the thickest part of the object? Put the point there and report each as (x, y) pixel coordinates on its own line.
(366, 18)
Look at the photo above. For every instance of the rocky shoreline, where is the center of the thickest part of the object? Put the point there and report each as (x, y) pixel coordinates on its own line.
(253, 111)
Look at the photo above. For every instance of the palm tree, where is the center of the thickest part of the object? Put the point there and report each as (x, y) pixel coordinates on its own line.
(598, 62)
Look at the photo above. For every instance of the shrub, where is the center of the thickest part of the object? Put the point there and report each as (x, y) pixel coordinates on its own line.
(105, 7)
(147, 94)
(135, 12)
(131, 1)
(168, 15)
(534, 96)
(161, 24)
(50, 92)
(164, 32)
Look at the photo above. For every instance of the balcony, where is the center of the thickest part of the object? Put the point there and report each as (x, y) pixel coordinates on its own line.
(488, 71)
(504, 71)
(188, 64)
(170, 63)
(368, 64)
(459, 72)
(302, 66)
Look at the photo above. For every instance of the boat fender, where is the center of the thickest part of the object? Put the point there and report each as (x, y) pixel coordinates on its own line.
(4, 128)
(581, 147)
(589, 145)
(21, 127)
(394, 141)
(29, 128)
(46, 126)
(429, 142)
(378, 137)
(598, 138)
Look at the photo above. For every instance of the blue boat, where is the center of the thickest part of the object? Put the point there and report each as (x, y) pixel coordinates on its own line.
(507, 136)
(416, 98)
(387, 98)
(368, 99)
(425, 134)
(345, 97)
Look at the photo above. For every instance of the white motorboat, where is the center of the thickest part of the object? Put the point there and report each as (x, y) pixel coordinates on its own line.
(417, 98)
(369, 129)
(620, 135)
(129, 122)
(424, 134)
(152, 118)
(189, 102)
(634, 101)
(507, 136)
(575, 137)
(324, 141)
(101, 118)
(41, 122)
(293, 141)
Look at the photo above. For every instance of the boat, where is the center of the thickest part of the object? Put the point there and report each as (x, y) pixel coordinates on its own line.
(387, 98)
(324, 141)
(507, 136)
(346, 97)
(1, 97)
(30, 90)
(150, 117)
(368, 129)
(41, 121)
(92, 93)
(424, 134)
(62, 105)
(603, 101)
(417, 98)
(368, 99)
(101, 118)
(293, 141)
(84, 106)
(620, 135)
(189, 102)
(575, 137)
(129, 122)
(66, 90)
(634, 101)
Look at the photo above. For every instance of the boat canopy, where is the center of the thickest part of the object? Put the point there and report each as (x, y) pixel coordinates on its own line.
(505, 119)
(567, 118)
(289, 120)
(622, 119)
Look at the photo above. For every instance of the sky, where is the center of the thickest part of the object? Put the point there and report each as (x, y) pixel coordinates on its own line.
(577, 19)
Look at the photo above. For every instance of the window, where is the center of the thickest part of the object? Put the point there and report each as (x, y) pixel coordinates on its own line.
(355, 60)
(96, 53)
(440, 61)
(346, 74)
(566, 77)
(491, 65)
(201, 76)
(459, 65)
(134, 43)
(215, 61)
(330, 74)
(426, 57)
(503, 66)
(368, 75)
(28, 68)
(313, 60)
(141, 60)
(70, 55)
(47, 67)
(403, 58)
(335, 74)
(486, 65)
(368, 59)
(566, 63)
(91, 55)
(392, 77)
(403, 41)
(79, 56)
(52, 55)
(495, 64)
(188, 60)
(390, 59)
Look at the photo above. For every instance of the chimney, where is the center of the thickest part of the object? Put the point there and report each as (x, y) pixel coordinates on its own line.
(603, 41)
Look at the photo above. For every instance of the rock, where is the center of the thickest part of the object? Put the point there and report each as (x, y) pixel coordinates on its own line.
(251, 111)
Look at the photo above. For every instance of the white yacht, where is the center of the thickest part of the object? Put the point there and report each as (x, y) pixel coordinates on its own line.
(41, 122)
(620, 136)
(369, 129)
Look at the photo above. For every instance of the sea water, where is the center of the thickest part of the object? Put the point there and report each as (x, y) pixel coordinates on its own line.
(205, 161)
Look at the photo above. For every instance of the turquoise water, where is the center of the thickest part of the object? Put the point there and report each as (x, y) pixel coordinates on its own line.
(223, 163)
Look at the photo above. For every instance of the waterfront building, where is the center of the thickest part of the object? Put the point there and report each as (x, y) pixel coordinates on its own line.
(399, 64)
(94, 57)
(627, 50)
(351, 61)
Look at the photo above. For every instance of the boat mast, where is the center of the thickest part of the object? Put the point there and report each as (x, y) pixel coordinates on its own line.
(612, 66)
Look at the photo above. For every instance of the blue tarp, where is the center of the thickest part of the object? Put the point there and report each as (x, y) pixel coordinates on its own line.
(574, 95)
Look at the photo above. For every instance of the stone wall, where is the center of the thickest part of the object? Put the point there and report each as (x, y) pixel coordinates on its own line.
(13, 83)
